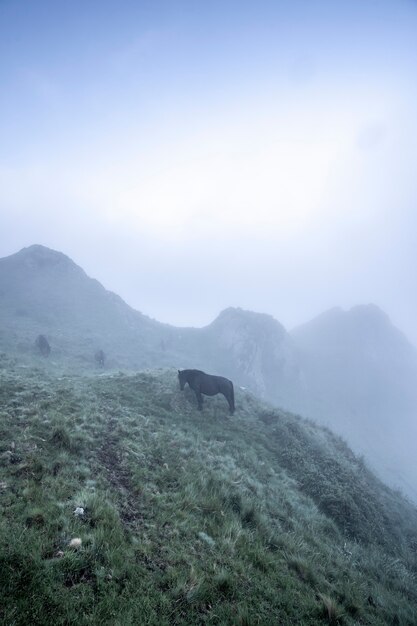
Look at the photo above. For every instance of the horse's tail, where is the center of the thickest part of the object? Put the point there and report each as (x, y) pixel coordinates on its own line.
(232, 398)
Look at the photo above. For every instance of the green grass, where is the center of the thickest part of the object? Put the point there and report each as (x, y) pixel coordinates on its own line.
(189, 517)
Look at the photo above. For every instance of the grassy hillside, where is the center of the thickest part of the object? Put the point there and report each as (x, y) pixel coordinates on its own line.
(189, 518)
(350, 370)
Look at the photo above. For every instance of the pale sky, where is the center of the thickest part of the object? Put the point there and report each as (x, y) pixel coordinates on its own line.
(193, 156)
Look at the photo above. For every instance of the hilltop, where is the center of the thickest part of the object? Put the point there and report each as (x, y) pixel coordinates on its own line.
(44, 291)
(189, 517)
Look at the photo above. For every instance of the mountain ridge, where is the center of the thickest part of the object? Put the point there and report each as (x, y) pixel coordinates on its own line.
(351, 370)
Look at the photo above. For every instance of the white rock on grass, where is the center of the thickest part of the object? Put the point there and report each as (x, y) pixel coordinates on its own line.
(204, 537)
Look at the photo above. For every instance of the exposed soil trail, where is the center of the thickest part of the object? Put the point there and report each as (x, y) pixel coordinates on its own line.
(119, 477)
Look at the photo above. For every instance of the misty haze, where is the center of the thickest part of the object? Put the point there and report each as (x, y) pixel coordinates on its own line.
(208, 346)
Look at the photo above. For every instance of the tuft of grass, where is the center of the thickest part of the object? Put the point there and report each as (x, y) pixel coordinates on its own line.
(225, 584)
(35, 517)
(332, 612)
(61, 438)
(302, 569)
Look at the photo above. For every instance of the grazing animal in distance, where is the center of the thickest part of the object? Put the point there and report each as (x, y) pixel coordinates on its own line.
(209, 385)
(100, 357)
(43, 346)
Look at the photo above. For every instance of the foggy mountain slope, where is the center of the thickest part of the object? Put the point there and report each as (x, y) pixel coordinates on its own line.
(188, 517)
(359, 362)
(352, 371)
(360, 376)
(43, 291)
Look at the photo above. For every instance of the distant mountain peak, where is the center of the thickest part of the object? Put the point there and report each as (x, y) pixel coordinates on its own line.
(37, 248)
(338, 318)
(38, 258)
(237, 315)
(364, 328)
(43, 255)
(369, 311)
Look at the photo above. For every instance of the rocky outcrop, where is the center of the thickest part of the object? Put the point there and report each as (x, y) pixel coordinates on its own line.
(255, 349)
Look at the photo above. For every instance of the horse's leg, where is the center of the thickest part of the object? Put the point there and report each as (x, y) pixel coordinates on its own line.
(199, 399)
(230, 397)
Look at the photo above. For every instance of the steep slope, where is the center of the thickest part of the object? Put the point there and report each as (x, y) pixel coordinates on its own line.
(185, 517)
(360, 376)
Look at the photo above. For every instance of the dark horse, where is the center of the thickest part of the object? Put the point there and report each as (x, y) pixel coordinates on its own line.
(43, 345)
(209, 385)
(100, 357)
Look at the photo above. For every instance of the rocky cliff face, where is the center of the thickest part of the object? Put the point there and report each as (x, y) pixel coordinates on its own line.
(255, 349)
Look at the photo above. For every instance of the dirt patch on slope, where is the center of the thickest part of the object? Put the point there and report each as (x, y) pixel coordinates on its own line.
(119, 477)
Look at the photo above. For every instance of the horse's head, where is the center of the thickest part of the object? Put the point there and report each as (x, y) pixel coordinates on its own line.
(182, 378)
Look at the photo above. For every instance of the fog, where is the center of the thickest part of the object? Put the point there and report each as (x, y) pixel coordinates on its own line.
(197, 157)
